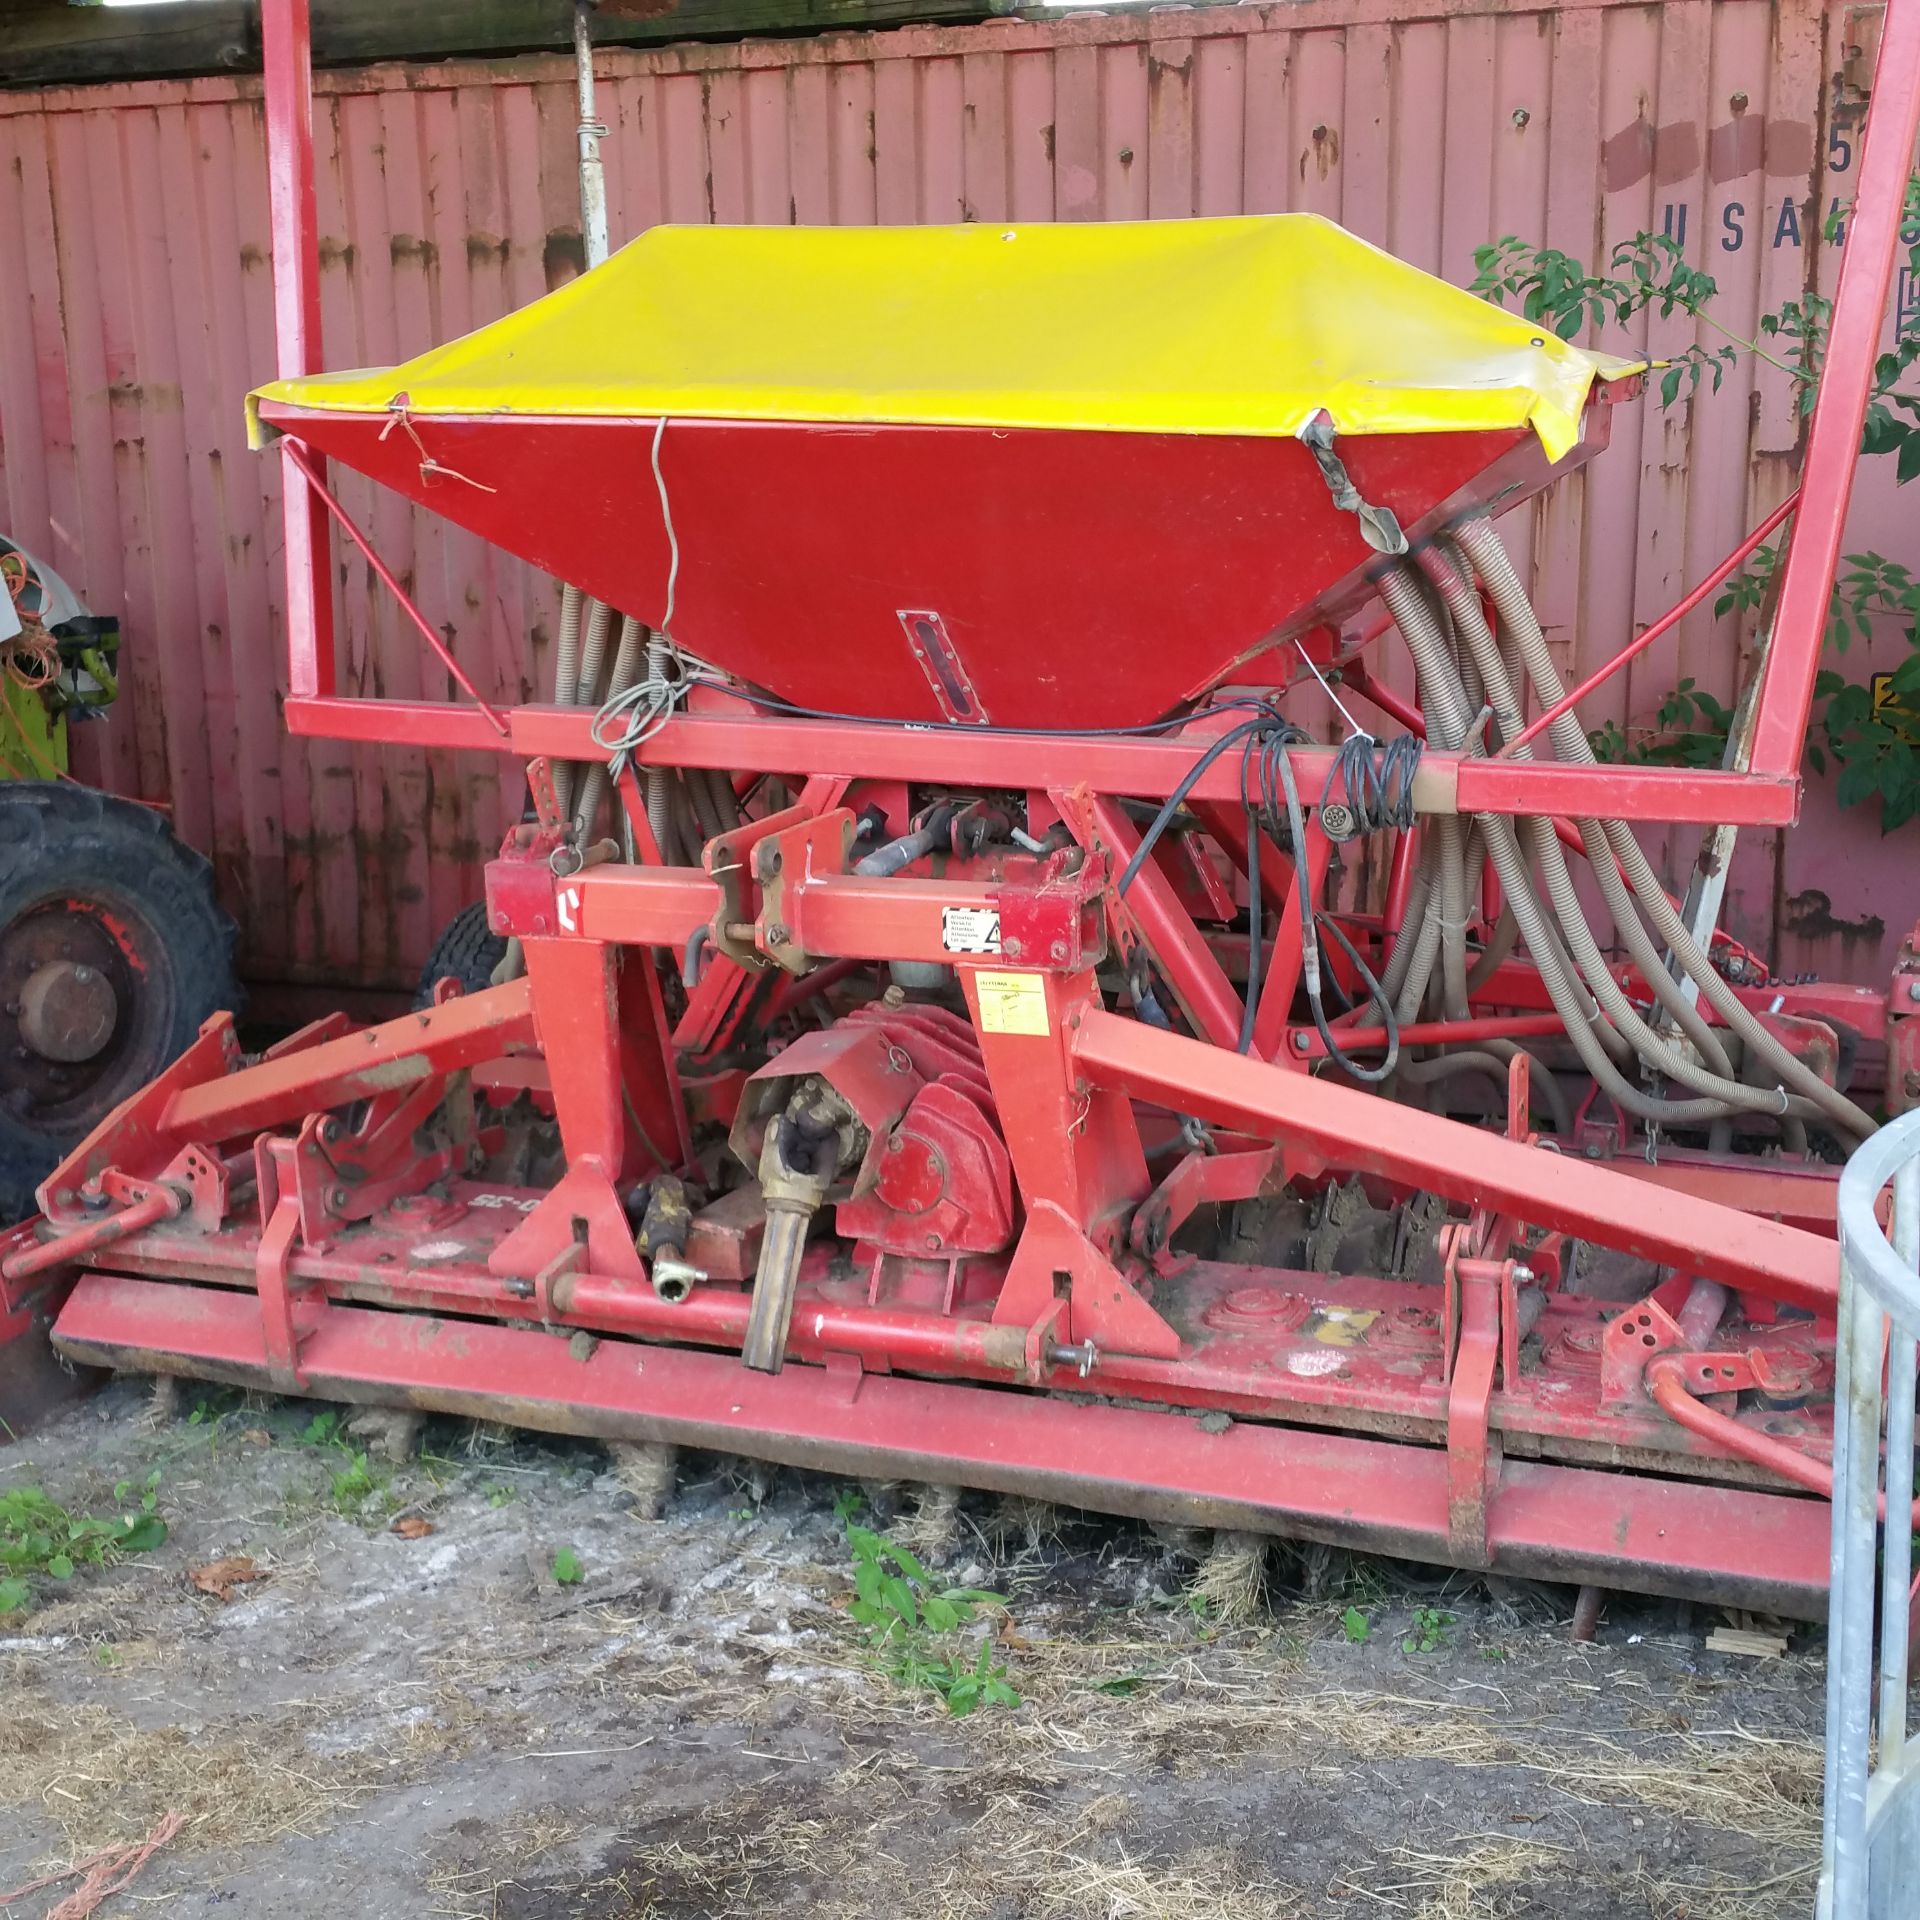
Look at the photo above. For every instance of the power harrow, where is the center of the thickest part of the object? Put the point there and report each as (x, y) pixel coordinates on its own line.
(955, 1016)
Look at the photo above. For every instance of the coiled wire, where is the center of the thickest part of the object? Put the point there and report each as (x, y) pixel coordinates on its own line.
(1376, 779)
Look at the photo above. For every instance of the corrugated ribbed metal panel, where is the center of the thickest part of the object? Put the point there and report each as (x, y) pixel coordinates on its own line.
(135, 312)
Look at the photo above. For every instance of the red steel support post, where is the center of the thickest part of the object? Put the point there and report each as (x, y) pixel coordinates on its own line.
(576, 996)
(288, 61)
(1846, 386)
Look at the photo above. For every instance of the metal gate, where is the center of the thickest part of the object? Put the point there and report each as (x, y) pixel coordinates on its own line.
(1871, 1839)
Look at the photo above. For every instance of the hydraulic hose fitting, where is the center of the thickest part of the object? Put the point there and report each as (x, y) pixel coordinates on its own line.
(662, 1240)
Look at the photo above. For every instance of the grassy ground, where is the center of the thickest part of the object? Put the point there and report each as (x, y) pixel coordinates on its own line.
(479, 1685)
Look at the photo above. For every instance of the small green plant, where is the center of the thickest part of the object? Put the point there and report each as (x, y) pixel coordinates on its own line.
(1356, 1626)
(39, 1535)
(212, 1406)
(982, 1684)
(905, 1615)
(741, 1513)
(848, 1502)
(500, 1495)
(567, 1569)
(355, 1484)
(358, 1479)
(1690, 730)
(1428, 1631)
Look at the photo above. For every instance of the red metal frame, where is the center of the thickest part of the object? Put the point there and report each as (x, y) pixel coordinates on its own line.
(287, 47)
(1017, 1185)
(1846, 383)
(1642, 641)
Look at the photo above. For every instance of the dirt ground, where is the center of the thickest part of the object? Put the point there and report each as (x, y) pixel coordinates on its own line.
(428, 1722)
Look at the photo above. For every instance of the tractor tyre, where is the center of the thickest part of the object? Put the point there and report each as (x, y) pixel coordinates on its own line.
(113, 951)
(468, 950)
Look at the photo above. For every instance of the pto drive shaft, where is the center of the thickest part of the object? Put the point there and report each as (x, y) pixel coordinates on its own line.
(804, 1151)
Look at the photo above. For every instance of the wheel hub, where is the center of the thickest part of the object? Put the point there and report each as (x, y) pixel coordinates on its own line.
(70, 1007)
(68, 1011)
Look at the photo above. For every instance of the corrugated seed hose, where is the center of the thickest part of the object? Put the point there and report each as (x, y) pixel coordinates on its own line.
(1593, 1036)
(1516, 615)
(1465, 668)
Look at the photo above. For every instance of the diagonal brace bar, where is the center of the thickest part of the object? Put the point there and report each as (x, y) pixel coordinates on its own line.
(1353, 1130)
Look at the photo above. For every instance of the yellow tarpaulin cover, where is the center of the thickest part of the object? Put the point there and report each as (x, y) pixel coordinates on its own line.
(1246, 326)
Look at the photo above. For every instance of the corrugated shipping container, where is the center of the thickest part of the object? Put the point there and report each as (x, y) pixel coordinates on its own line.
(135, 310)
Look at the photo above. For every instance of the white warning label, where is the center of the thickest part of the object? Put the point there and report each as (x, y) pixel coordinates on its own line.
(970, 929)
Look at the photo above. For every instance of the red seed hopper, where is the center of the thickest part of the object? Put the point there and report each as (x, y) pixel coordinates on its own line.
(1014, 476)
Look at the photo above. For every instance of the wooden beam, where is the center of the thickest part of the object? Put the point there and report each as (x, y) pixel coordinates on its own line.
(51, 43)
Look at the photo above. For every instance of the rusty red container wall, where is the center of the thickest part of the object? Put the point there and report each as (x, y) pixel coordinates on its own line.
(137, 312)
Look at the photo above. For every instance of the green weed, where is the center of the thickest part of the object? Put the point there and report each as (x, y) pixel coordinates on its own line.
(1428, 1631)
(907, 1619)
(1356, 1626)
(358, 1479)
(39, 1535)
(567, 1568)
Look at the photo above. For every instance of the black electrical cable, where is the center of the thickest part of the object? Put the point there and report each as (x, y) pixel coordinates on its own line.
(1271, 797)
(1311, 922)
(772, 703)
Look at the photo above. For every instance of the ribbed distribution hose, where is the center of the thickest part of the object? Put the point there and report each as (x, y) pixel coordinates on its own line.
(627, 656)
(1456, 579)
(1459, 855)
(576, 688)
(566, 675)
(1715, 1080)
(726, 803)
(700, 793)
(1544, 1088)
(1516, 614)
(1500, 943)
(1410, 965)
(659, 798)
(1445, 698)
(593, 653)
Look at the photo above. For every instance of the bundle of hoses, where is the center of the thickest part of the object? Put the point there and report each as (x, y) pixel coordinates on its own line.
(630, 694)
(682, 814)
(1466, 667)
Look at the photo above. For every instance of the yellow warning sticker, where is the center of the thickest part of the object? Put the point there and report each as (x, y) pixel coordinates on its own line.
(1340, 1326)
(1012, 1002)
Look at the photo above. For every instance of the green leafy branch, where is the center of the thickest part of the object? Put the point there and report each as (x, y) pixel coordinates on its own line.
(1873, 741)
(1690, 730)
(1650, 275)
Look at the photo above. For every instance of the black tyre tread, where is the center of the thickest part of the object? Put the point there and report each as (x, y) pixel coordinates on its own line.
(468, 950)
(88, 837)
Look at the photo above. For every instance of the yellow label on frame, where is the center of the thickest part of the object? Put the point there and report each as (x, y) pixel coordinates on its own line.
(1012, 1002)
